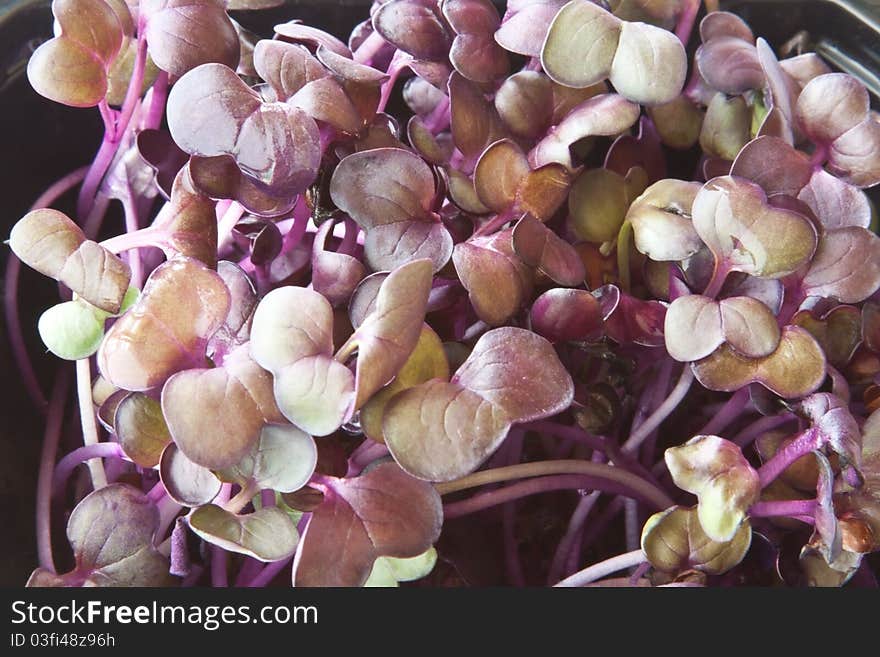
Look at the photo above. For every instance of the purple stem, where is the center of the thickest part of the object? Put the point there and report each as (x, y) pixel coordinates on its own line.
(783, 508)
(132, 225)
(482, 501)
(603, 568)
(219, 556)
(439, 118)
(370, 47)
(399, 61)
(248, 571)
(575, 525)
(719, 275)
(686, 20)
(157, 492)
(16, 336)
(809, 440)
(514, 444)
(350, 238)
(728, 413)
(78, 456)
(367, 452)
(268, 573)
(157, 102)
(51, 438)
(663, 411)
(761, 426)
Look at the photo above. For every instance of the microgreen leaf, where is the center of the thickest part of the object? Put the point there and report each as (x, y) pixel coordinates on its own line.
(140, 429)
(796, 368)
(661, 220)
(383, 512)
(540, 247)
(239, 396)
(111, 532)
(388, 571)
(715, 470)
(563, 314)
(283, 459)
(72, 330)
(267, 534)
(674, 541)
(183, 303)
(48, 241)
(187, 483)
(439, 431)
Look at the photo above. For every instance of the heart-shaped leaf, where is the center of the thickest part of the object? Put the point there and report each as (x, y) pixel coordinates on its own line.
(111, 532)
(474, 52)
(439, 431)
(296, 32)
(283, 459)
(678, 122)
(183, 303)
(266, 535)
(389, 192)
(334, 275)
(539, 247)
(48, 241)
(831, 417)
(526, 24)
(725, 127)
(73, 67)
(524, 102)
(183, 34)
(475, 123)
(696, 325)
(674, 541)
(563, 314)
(286, 67)
(631, 320)
(383, 512)
(274, 145)
(187, 483)
(716, 471)
(796, 368)
(732, 216)
(496, 279)
(236, 400)
(650, 64)
(729, 63)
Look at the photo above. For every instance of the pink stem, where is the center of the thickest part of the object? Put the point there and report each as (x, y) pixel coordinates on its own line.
(157, 102)
(783, 508)
(761, 426)
(663, 411)
(728, 413)
(85, 453)
(719, 275)
(131, 226)
(350, 238)
(268, 573)
(371, 46)
(603, 568)
(398, 63)
(87, 419)
(16, 336)
(575, 524)
(513, 565)
(686, 20)
(809, 440)
(219, 556)
(51, 438)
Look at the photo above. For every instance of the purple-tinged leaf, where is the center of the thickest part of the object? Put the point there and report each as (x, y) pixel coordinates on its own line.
(604, 115)
(275, 146)
(804, 68)
(633, 320)
(236, 328)
(725, 127)
(182, 305)
(499, 173)
(439, 431)
(48, 241)
(383, 512)
(334, 275)
(111, 532)
(831, 417)
(363, 300)
(286, 67)
(187, 483)
(730, 64)
(732, 216)
(236, 401)
(348, 69)
(184, 34)
(524, 102)
(497, 280)
(831, 105)
(846, 266)
(413, 26)
(73, 67)
(475, 122)
(561, 315)
(474, 52)
(435, 149)
(724, 23)
(296, 32)
(158, 149)
(191, 230)
(836, 203)
(780, 120)
(837, 331)
(388, 335)
(526, 24)
(539, 247)
(389, 192)
(326, 100)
